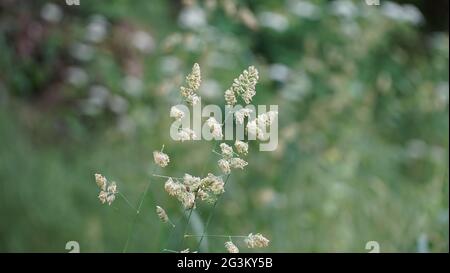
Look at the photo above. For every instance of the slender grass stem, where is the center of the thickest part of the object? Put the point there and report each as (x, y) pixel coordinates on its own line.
(169, 250)
(213, 235)
(127, 201)
(133, 224)
(187, 223)
(165, 176)
(215, 203)
(211, 215)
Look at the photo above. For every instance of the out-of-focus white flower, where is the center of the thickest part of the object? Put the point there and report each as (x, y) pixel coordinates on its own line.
(417, 148)
(279, 72)
(98, 95)
(51, 13)
(82, 52)
(170, 64)
(344, 8)
(303, 9)
(118, 104)
(96, 29)
(275, 21)
(77, 76)
(229, 6)
(192, 17)
(403, 13)
(442, 93)
(248, 18)
(143, 41)
(210, 89)
(132, 85)
(298, 87)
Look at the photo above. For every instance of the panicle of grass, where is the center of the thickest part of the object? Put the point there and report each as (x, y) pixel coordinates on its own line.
(189, 189)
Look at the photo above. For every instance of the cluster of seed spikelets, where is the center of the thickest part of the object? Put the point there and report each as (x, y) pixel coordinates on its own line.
(257, 127)
(193, 81)
(252, 241)
(230, 159)
(189, 189)
(108, 190)
(243, 86)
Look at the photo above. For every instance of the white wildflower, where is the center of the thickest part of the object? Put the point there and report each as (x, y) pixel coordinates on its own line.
(51, 13)
(161, 159)
(256, 241)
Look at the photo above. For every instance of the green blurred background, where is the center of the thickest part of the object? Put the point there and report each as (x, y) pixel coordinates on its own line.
(363, 122)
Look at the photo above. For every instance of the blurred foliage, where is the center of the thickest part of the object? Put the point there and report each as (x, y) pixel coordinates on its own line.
(363, 101)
